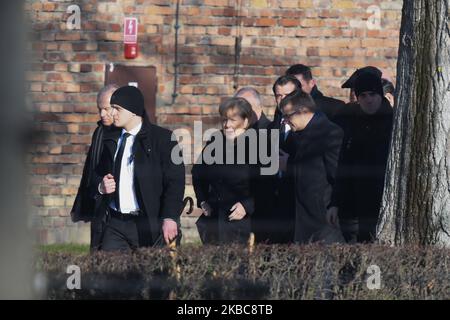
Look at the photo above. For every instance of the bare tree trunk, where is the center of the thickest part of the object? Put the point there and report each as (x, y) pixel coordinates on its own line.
(416, 200)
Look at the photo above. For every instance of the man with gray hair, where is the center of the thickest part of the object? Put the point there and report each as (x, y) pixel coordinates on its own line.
(260, 184)
(252, 96)
(84, 206)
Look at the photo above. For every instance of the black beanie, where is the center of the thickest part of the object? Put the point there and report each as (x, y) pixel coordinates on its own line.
(367, 81)
(129, 98)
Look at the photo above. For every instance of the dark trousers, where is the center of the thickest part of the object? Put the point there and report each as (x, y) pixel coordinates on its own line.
(218, 230)
(360, 229)
(275, 230)
(280, 227)
(274, 219)
(125, 232)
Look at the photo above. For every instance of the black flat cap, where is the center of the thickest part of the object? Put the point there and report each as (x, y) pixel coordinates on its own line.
(350, 83)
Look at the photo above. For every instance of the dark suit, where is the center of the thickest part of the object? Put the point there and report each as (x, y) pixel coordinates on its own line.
(275, 211)
(313, 157)
(262, 123)
(261, 187)
(159, 183)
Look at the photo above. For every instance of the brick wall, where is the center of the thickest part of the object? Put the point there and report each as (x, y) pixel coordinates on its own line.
(332, 36)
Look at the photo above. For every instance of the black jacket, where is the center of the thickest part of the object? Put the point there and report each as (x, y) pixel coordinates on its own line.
(276, 125)
(363, 160)
(275, 205)
(313, 158)
(330, 106)
(222, 186)
(84, 205)
(159, 182)
(262, 123)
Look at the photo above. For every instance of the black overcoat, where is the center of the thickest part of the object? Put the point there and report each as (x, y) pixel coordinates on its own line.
(363, 160)
(313, 159)
(222, 185)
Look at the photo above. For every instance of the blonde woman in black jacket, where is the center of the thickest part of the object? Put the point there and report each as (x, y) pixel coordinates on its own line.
(223, 188)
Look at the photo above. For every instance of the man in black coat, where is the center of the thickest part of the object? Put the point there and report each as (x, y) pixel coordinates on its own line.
(367, 129)
(313, 148)
(330, 106)
(259, 185)
(137, 185)
(275, 205)
(84, 205)
(252, 96)
(389, 91)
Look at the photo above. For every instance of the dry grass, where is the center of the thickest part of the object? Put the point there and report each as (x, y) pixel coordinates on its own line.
(268, 272)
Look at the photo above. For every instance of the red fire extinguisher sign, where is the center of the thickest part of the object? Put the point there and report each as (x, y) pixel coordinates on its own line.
(130, 27)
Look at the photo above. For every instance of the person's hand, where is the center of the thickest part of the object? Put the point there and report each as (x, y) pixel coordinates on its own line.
(283, 160)
(238, 212)
(108, 185)
(170, 230)
(206, 208)
(332, 216)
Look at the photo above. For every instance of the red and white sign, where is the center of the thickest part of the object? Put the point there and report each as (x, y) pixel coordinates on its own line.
(130, 28)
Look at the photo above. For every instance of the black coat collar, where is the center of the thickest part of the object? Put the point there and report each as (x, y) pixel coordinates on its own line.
(263, 122)
(312, 139)
(315, 93)
(314, 130)
(110, 138)
(143, 138)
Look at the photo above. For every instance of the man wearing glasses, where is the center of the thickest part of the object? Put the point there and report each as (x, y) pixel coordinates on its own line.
(313, 147)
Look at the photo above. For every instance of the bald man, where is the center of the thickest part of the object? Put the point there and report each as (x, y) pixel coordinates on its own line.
(252, 96)
(83, 207)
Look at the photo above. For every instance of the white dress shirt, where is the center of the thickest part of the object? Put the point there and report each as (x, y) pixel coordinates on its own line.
(287, 128)
(127, 194)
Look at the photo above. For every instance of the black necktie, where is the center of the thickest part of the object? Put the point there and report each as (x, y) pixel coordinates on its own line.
(117, 166)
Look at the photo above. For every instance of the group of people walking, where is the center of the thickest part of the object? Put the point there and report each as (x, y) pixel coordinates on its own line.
(331, 158)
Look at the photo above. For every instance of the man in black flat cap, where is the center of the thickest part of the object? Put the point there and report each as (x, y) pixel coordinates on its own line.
(358, 190)
(137, 186)
(350, 83)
